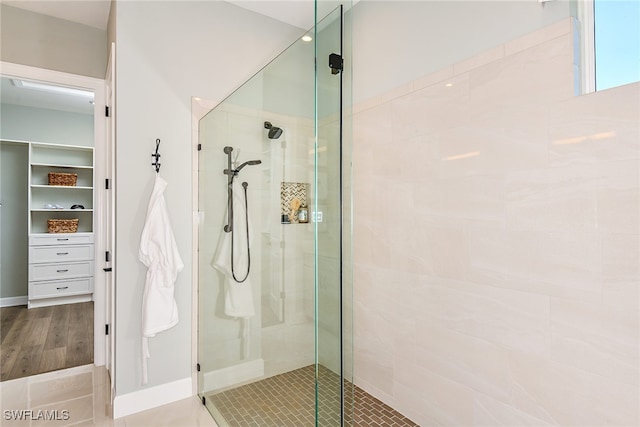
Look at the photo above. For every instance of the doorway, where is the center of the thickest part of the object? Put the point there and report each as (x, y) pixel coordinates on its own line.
(78, 317)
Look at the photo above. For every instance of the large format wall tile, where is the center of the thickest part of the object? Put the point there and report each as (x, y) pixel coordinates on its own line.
(621, 271)
(565, 265)
(504, 139)
(596, 127)
(477, 363)
(431, 109)
(618, 197)
(553, 200)
(567, 396)
(597, 339)
(497, 243)
(510, 319)
(472, 196)
(492, 413)
(433, 397)
(536, 76)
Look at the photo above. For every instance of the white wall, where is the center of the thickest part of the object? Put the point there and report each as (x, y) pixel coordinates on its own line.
(396, 42)
(43, 125)
(204, 49)
(14, 171)
(34, 125)
(30, 38)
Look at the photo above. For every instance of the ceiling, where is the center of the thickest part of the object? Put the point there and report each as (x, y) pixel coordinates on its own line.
(95, 13)
(298, 13)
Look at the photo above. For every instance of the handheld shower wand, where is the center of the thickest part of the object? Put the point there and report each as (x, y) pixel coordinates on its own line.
(229, 228)
(247, 163)
(234, 172)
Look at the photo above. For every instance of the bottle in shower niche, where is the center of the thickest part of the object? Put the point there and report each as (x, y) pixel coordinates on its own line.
(303, 214)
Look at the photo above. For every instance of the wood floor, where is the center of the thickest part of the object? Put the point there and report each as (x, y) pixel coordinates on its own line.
(45, 339)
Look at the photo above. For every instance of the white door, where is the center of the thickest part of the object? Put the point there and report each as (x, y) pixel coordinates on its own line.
(0, 222)
(109, 216)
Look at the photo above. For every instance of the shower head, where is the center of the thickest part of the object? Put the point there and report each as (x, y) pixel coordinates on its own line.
(248, 163)
(274, 131)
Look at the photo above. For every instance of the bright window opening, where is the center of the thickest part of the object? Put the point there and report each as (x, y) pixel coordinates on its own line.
(616, 42)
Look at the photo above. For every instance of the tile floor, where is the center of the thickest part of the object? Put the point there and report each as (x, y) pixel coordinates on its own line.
(79, 396)
(288, 400)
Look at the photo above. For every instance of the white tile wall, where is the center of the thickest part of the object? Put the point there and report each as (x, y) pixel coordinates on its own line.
(497, 243)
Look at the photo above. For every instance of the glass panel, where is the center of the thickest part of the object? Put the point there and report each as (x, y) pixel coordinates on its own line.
(333, 361)
(269, 335)
(270, 119)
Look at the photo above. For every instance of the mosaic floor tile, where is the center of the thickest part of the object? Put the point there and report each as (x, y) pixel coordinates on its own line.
(289, 400)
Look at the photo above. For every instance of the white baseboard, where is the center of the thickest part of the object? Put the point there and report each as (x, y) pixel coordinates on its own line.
(236, 374)
(46, 302)
(152, 397)
(11, 301)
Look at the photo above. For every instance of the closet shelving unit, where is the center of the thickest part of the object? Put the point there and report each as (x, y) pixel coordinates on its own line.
(61, 266)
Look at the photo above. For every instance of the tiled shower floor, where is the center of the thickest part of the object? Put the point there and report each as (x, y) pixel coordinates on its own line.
(289, 400)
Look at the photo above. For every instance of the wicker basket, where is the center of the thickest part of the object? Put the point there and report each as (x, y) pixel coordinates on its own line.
(66, 179)
(62, 225)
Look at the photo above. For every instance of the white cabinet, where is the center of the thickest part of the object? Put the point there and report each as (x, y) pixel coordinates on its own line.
(61, 265)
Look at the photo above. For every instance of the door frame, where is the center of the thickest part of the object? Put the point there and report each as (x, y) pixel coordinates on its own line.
(96, 85)
(109, 208)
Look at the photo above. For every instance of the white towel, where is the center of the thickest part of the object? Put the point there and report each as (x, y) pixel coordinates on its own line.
(238, 297)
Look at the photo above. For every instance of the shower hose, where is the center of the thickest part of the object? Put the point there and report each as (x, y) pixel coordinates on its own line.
(246, 217)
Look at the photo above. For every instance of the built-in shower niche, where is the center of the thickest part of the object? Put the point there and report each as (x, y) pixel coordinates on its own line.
(294, 205)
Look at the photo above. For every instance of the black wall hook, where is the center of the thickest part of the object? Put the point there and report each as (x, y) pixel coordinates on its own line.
(157, 156)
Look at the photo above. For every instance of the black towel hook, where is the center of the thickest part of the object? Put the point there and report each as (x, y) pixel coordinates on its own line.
(157, 156)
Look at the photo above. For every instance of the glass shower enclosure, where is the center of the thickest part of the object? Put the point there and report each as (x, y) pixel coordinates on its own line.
(274, 337)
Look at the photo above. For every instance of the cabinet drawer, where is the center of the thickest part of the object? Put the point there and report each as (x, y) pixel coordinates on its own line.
(64, 253)
(60, 270)
(59, 288)
(60, 239)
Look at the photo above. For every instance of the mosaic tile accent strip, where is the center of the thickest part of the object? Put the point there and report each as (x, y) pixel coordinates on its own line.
(289, 191)
(288, 400)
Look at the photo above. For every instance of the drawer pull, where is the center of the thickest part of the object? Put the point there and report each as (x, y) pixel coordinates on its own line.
(62, 288)
(62, 240)
(62, 253)
(62, 271)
